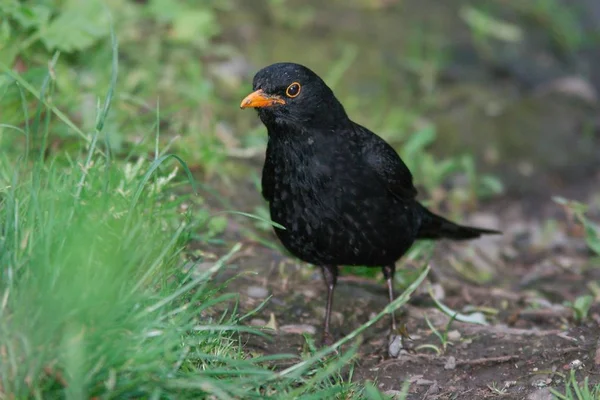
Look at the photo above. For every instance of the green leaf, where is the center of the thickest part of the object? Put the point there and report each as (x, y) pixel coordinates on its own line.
(485, 24)
(417, 142)
(372, 393)
(582, 306)
(195, 25)
(78, 27)
(592, 236)
(192, 25)
(489, 185)
(26, 16)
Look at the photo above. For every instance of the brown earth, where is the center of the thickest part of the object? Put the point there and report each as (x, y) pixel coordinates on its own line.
(520, 281)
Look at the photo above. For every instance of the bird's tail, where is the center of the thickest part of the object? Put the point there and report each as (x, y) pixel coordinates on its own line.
(435, 227)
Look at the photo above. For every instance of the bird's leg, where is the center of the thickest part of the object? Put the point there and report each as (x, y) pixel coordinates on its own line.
(388, 273)
(330, 274)
(396, 344)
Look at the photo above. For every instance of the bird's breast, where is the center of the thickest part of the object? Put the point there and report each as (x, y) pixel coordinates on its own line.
(333, 209)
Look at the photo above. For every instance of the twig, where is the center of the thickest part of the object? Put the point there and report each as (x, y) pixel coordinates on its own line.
(546, 313)
(442, 360)
(487, 360)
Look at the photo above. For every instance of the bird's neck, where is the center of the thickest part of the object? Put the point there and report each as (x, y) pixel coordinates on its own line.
(324, 124)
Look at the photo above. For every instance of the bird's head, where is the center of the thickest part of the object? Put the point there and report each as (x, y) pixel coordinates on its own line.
(292, 95)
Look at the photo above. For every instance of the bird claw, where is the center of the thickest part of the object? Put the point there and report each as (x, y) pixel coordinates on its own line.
(403, 331)
(327, 339)
(399, 340)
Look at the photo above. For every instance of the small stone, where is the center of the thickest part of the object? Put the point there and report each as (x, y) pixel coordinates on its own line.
(258, 322)
(575, 364)
(433, 389)
(438, 291)
(257, 292)
(450, 363)
(510, 253)
(540, 394)
(298, 329)
(454, 335)
(395, 346)
(539, 381)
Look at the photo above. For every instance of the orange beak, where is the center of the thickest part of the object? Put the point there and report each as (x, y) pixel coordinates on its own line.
(260, 99)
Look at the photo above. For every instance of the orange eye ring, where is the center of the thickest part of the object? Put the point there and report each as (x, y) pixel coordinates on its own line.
(293, 90)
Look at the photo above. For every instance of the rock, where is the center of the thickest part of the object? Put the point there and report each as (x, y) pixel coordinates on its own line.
(438, 291)
(540, 394)
(510, 253)
(540, 381)
(450, 363)
(433, 389)
(257, 292)
(454, 335)
(395, 346)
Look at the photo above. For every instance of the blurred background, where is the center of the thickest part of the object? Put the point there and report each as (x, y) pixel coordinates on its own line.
(493, 104)
(509, 86)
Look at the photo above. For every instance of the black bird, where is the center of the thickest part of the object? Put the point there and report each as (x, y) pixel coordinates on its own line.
(342, 193)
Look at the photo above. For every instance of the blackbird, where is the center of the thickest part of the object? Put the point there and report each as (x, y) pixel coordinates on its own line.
(341, 192)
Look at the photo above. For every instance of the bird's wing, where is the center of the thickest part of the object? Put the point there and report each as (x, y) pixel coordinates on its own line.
(387, 165)
(268, 186)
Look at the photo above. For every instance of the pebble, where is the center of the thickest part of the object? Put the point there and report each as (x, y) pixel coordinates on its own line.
(438, 291)
(257, 292)
(450, 363)
(395, 346)
(258, 322)
(540, 381)
(540, 394)
(454, 335)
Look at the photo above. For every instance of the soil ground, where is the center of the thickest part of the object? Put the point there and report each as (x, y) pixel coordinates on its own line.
(530, 272)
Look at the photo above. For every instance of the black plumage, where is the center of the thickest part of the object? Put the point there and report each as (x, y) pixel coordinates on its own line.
(342, 193)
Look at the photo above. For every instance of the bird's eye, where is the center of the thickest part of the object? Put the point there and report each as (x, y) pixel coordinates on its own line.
(293, 90)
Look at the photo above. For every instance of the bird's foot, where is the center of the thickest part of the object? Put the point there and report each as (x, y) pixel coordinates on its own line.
(327, 339)
(399, 341)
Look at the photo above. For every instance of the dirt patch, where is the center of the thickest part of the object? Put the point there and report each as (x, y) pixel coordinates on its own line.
(522, 282)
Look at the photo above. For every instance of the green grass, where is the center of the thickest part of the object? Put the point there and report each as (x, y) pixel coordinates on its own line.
(575, 390)
(96, 302)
